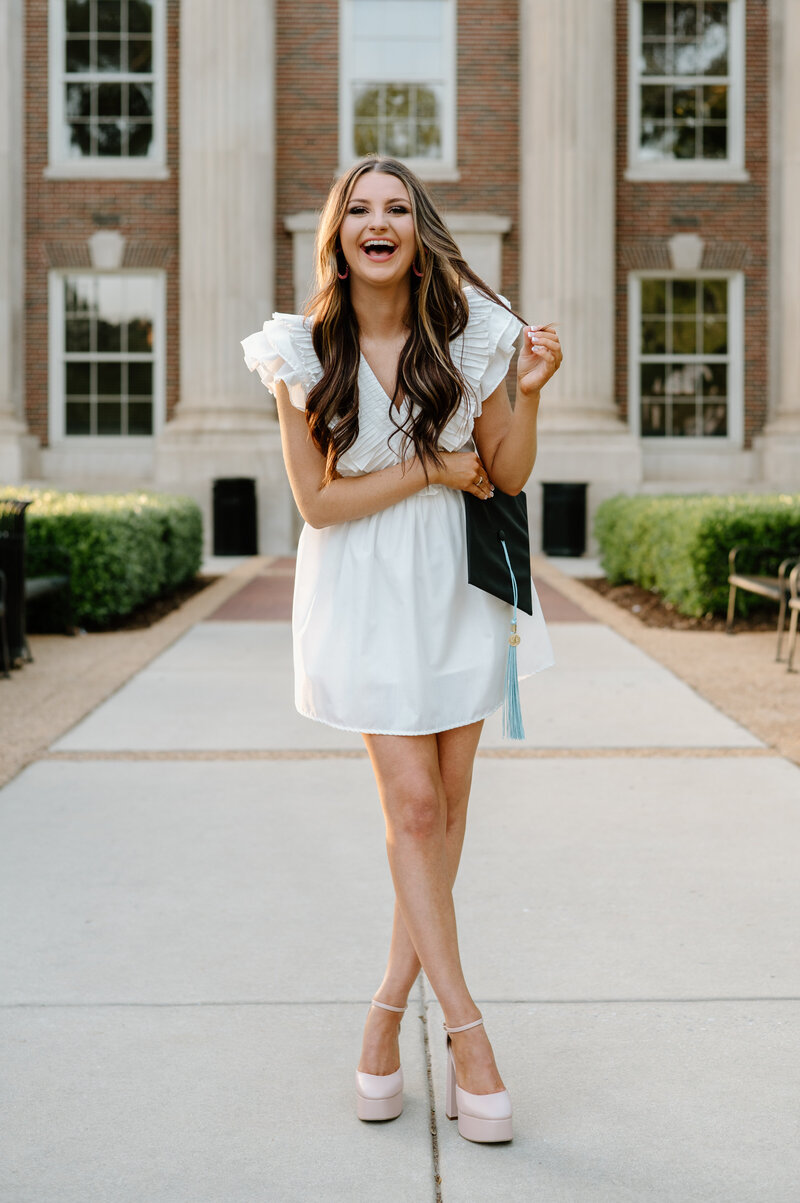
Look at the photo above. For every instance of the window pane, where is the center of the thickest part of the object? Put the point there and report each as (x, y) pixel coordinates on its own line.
(684, 19)
(684, 337)
(654, 337)
(683, 103)
(715, 141)
(653, 418)
(109, 379)
(80, 136)
(397, 100)
(365, 138)
(654, 102)
(76, 336)
(108, 16)
(140, 16)
(655, 58)
(652, 379)
(108, 336)
(715, 296)
(78, 417)
(140, 56)
(681, 379)
(684, 419)
(715, 379)
(109, 138)
(140, 417)
(715, 420)
(684, 296)
(77, 55)
(109, 417)
(140, 138)
(654, 19)
(715, 337)
(429, 141)
(366, 101)
(78, 100)
(78, 379)
(140, 100)
(109, 55)
(654, 296)
(685, 142)
(77, 16)
(109, 100)
(427, 104)
(140, 379)
(715, 101)
(398, 139)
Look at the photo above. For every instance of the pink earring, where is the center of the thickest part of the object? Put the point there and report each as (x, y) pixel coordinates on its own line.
(342, 275)
(416, 270)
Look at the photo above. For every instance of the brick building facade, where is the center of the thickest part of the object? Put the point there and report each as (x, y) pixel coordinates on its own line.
(624, 166)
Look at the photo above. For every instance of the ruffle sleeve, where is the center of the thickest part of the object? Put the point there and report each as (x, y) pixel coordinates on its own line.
(487, 345)
(282, 350)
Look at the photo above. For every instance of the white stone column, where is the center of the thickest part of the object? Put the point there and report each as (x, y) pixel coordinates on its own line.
(225, 422)
(779, 446)
(17, 447)
(567, 207)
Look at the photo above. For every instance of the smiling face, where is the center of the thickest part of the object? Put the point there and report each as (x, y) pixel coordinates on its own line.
(377, 233)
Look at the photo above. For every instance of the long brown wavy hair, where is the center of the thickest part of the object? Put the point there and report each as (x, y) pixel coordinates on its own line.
(426, 373)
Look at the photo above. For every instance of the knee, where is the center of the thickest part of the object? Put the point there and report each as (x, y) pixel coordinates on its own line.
(419, 813)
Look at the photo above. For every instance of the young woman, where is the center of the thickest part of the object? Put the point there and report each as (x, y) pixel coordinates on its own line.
(399, 363)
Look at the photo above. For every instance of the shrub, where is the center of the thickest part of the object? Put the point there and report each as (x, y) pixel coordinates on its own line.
(678, 545)
(123, 549)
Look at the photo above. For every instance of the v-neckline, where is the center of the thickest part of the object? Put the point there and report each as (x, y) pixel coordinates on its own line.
(374, 375)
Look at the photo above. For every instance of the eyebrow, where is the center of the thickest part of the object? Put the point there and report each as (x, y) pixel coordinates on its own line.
(358, 200)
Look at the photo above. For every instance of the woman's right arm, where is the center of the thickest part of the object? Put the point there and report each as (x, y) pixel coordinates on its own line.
(349, 497)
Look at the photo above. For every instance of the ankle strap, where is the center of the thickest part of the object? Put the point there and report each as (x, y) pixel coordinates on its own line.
(464, 1027)
(389, 1007)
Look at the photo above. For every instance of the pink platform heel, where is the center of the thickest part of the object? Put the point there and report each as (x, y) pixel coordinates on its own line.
(380, 1096)
(485, 1118)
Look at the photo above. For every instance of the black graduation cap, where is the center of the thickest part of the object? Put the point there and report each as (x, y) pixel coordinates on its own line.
(499, 520)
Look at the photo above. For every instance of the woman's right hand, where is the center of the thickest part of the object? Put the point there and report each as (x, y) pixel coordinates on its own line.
(463, 470)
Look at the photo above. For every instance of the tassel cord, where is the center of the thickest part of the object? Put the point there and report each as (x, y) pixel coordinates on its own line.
(513, 727)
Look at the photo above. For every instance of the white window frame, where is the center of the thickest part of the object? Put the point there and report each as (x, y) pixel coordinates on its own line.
(734, 440)
(104, 444)
(444, 168)
(63, 166)
(732, 168)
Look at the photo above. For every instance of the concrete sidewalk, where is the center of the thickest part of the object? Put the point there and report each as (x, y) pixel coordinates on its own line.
(197, 907)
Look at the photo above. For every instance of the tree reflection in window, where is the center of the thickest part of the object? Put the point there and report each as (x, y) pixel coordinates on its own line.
(685, 69)
(683, 358)
(109, 78)
(397, 119)
(108, 354)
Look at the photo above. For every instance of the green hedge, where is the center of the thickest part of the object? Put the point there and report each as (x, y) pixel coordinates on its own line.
(124, 549)
(678, 545)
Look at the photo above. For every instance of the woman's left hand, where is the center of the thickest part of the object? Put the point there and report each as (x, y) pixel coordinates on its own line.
(539, 359)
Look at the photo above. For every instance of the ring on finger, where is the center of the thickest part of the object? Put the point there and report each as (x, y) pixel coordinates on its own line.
(479, 481)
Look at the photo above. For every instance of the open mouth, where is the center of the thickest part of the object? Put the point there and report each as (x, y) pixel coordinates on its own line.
(379, 249)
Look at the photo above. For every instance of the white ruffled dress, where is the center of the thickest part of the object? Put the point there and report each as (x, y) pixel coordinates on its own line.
(389, 637)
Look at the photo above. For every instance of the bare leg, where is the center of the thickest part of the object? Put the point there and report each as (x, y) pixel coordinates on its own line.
(411, 772)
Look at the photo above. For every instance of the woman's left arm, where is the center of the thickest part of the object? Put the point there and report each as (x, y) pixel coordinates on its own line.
(506, 437)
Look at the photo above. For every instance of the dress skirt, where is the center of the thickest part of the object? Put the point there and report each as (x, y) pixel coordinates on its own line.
(389, 637)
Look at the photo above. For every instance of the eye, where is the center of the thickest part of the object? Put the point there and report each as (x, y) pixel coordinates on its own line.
(356, 209)
(398, 209)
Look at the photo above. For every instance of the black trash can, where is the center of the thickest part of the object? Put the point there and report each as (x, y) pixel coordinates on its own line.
(235, 523)
(12, 564)
(564, 519)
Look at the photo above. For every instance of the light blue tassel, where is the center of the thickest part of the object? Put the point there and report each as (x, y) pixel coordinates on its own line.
(512, 711)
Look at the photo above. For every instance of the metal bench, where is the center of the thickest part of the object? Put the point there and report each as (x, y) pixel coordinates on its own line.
(773, 588)
(794, 608)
